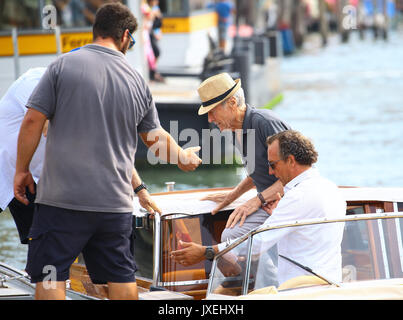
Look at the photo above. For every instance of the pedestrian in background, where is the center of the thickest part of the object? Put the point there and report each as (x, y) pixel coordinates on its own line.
(224, 9)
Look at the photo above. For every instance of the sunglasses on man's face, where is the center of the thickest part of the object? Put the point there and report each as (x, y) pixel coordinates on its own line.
(132, 41)
(272, 164)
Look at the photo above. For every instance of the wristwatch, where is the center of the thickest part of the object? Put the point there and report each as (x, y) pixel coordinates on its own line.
(140, 187)
(209, 253)
(261, 198)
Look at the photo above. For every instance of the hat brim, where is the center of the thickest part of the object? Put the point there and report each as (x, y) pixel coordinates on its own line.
(204, 110)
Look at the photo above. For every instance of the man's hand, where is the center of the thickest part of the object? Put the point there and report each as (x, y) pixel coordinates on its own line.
(240, 213)
(191, 253)
(228, 264)
(21, 181)
(222, 198)
(270, 206)
(147, 202)
(28, 139)
(188, 159)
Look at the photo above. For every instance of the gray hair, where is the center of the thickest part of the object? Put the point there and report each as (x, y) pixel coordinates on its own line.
(239, 96)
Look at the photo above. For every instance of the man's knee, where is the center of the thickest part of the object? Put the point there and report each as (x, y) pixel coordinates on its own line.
(232, 233)
(253, 221)
(55, 290)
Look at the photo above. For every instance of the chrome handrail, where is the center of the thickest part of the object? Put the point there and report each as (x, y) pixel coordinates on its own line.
(156, 249)
(366, 216)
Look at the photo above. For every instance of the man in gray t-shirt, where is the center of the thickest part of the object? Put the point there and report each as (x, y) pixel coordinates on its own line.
(97, 105)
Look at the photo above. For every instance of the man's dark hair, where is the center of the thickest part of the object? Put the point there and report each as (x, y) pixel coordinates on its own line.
(292, 142)
(112, 20)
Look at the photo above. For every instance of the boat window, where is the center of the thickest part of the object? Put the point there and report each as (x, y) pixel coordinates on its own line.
(174, 7)
(30, 14)
(204, 229)
(24, 14)
(355, 210)
(230, 272)
(400, 206)
(369, 250)
(369, 207)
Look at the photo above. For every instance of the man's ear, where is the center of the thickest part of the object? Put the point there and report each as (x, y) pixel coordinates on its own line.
(291, 159)
(124, 35)
(232, 102)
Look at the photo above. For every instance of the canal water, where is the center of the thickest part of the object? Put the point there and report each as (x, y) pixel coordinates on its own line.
(348, 98)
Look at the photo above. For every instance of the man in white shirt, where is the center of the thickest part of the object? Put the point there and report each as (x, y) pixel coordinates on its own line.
(12, 112)
(307, 195)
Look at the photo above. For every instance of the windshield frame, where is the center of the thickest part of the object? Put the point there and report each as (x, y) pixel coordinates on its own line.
(249, 235)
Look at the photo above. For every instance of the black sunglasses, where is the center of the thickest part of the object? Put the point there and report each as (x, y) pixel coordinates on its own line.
(273, 164)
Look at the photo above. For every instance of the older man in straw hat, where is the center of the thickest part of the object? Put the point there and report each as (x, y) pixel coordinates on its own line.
(224, 102)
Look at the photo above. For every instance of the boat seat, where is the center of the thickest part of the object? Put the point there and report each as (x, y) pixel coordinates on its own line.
(297, 282)
(265, 290)
(301, 281)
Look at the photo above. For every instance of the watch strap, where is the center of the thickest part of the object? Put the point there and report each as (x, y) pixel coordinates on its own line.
(209, 253)
(261, 198)
(140, 187)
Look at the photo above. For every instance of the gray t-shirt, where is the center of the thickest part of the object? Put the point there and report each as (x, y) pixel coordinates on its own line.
(96, 103)
(262, 123)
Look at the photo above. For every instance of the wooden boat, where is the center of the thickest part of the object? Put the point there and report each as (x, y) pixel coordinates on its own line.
(187, 218)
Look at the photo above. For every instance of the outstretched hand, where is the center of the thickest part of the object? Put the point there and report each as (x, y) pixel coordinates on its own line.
(188, 159)
(222, 198)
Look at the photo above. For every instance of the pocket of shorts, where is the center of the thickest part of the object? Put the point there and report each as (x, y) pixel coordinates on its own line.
(36, 252)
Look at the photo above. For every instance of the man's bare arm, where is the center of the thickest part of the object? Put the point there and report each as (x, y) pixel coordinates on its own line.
(28, 140)
(164, 146)
(226, 198)
(145, 199)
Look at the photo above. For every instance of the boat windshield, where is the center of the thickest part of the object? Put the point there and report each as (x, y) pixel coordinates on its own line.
(357, 248)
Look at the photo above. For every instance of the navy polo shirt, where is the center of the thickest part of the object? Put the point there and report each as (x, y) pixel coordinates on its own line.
(258, 124)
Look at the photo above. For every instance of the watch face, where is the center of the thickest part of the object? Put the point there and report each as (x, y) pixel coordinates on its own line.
(210, 253)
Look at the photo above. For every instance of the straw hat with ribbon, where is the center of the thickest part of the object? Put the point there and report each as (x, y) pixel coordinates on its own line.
(216, 89)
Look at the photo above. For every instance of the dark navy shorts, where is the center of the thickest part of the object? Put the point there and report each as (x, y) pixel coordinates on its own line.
(58, 236)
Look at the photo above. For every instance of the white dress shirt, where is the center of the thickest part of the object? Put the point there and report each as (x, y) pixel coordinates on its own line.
(12, 112)
(307, 196)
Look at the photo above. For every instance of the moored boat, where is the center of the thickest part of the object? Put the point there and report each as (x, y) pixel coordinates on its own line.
(187, 218)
